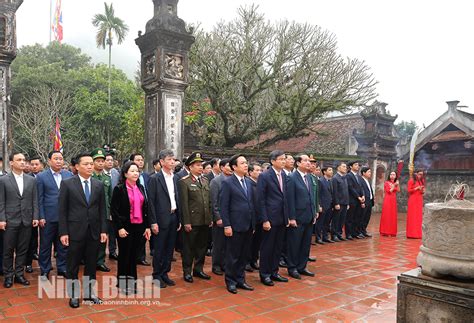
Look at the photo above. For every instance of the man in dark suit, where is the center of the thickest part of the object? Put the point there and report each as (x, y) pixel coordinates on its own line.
(49, 183)
(255, 170)
(18, 214)
(326, 203)
(165, 220)
(273, 214)
(215, 169)
(238, 216)
(302, 215)
(340, 201)
(369, 199)
(114, 176)
(144, 178)
(82, 227)
(218, 237)
(356, 201)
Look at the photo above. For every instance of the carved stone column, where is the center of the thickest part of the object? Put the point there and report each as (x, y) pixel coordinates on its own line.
(164, 67)
(8, 10)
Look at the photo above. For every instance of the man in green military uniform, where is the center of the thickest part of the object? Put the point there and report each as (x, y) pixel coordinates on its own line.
(196, 216)
(98, 155)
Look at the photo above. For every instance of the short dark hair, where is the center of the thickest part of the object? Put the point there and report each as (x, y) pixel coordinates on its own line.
(52, 152)
(340, 163)
(13, 154)
(214, 161)
(82, 155)
(352, 162)
(364, 170)
(299, 158)
(36, 158)
(155, 161)
(252, 166)
(275, 154)
(325, 169)
(132, 156)
(223, 162)
(126, 166)
(163, 154)
(73, 161)
(233, 160)
(110, 153)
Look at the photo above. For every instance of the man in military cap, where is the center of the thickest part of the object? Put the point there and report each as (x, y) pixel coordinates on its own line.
(98, 155)
(196, 217)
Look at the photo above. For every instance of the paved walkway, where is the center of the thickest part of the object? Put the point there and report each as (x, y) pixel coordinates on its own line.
(355, 282)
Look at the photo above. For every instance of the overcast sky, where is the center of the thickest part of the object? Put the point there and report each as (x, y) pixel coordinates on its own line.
(421, 52)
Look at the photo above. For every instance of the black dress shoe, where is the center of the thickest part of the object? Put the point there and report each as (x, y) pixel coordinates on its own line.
(360, 236)
(267, 281)
(168, 281)
(160, 283)
(312, 259)
(283, 263)
(45, 276)
(202, 275)
(349, 238)
(254, 265)
(248, 268)
(143, 263)
(320, 242)
(306, 272)
(217, 271)
(103, 268)
(328, 240)
(336, 239)
(188, 278)
(113, 256)
(29, 269)
(93, 299)
(21, 280)
(8, 282)
(74, 302)
(279, 278)
(367, 235)
(232, 289)
(341, 238)
(62, 273)
(35, 256)
(294, 274)
(245, 286)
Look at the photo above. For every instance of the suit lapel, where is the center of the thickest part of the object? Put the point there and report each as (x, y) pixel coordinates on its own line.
(79, 189)
(15, 185)
(236, 182)
(161, 179)
(275, 179)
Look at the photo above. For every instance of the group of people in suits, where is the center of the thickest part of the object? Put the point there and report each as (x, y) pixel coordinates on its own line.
(256, 215)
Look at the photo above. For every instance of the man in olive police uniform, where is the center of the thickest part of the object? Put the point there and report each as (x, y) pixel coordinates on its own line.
(98, 155)
(196, 218)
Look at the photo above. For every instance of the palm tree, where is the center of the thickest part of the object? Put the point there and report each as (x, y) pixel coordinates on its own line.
(107, 25)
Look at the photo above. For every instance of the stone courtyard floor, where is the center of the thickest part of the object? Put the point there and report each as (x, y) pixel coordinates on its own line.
(355, 282)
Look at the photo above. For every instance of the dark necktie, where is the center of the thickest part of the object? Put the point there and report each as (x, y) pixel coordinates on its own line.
(87, 191)
(306, 181)
(244, 186)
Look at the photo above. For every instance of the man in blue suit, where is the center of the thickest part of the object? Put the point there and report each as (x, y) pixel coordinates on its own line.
(165, 219)
(302, 215)
(340, 201)
(356, 202)
(369, 199)
(273, 214)
(49, 183)
(238, 216)
(325, 201)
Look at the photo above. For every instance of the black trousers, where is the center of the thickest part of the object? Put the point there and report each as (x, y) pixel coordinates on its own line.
(256, 242)
(320, 226)
(218, 247)
(163, 244)
(339, 218)
(16, 240)
(194, 248)
(33, 247)
(86, 249)
(327, 222)
(366, 214)
(299, 245)
(128, 246)
(237, 250)
(271, 250)
(113, 234)
(49, 237)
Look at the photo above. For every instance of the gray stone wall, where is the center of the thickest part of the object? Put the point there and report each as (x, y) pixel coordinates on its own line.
(438, 183)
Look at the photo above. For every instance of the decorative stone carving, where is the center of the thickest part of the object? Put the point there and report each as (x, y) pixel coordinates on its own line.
(174, 66)
(448, 240)
(150, 66)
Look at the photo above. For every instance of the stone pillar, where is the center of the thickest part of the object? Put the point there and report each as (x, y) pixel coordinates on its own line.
(164, 68)
(8, 10)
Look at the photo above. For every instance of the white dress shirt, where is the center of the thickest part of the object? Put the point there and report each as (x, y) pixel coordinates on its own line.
(19, 182)
(57, 178)
(170, 186)
(368, 185)
(84, 185)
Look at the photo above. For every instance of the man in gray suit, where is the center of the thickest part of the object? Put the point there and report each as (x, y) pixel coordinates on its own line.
(18, 214)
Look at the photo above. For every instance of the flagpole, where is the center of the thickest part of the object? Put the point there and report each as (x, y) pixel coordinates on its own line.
(50, 18)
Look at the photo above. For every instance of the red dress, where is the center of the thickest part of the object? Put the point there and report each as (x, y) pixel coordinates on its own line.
(388, 220)
(415, 209)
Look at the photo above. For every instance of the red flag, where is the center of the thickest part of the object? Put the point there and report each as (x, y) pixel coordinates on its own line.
(58, 22)
(58, 144)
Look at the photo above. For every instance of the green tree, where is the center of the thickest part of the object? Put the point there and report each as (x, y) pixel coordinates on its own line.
(107, 25)
(406, 128)
(272, 78)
